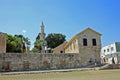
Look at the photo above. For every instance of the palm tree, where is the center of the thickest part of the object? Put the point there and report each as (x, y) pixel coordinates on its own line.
(27, 43)
(39, 44)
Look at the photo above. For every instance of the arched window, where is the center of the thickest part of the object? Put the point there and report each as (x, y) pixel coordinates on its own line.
(84, 42)
(94, 42)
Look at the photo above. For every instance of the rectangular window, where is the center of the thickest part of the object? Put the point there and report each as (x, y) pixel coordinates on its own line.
(104, 50)
(94, 42)
(84, 42)
(107, 50)
(112, 48)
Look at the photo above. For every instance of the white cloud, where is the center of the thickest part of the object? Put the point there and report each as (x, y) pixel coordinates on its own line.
(24, 31)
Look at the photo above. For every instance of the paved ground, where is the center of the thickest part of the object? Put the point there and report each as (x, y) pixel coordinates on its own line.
(47, 71)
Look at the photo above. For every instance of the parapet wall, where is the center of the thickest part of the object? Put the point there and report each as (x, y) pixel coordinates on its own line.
(38, 61)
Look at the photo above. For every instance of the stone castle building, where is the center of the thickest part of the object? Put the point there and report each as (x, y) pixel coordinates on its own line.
(87, 43)
(2, 43)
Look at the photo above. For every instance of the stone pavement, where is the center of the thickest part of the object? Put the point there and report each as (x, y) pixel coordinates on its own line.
(45, 71)
(57, 70)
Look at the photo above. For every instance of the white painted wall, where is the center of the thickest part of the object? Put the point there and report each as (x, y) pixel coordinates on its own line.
(109, 49)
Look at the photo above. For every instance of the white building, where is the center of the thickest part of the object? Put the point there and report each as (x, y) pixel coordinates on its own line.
(111, 48)
(111, 53)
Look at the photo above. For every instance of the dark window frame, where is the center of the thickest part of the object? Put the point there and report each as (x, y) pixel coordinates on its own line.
(94, 42)
(108, 50)
(85, 42)
(104, 50)
(112, 48)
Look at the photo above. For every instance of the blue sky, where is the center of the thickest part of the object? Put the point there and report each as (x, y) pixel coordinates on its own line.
(68, 17)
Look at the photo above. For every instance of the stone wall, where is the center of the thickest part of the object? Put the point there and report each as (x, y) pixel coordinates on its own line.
(32, 61)
(2, 43)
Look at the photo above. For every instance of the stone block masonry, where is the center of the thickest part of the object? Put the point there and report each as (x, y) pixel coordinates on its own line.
(32, 61)
(2, 43)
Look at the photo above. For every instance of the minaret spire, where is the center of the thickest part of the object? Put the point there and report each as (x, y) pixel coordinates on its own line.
(42, 27)
(42, 37)
(42, 23)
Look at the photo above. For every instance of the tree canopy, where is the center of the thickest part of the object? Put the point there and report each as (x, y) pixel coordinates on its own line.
(55, 39)
(17, 43)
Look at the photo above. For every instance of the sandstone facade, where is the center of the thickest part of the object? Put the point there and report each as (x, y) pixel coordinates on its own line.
(60, 48)
(2, 43)
(86, 43)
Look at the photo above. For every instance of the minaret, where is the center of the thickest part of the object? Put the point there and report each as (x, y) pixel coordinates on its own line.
(42, 37)
(42, 27)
